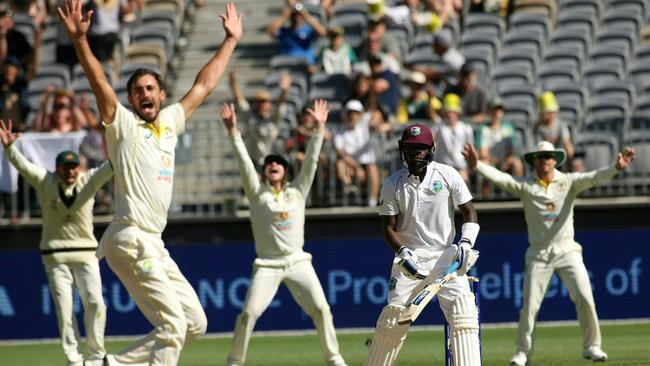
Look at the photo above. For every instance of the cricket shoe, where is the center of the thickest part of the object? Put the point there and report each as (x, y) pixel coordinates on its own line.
(519, 359)
(594, 353)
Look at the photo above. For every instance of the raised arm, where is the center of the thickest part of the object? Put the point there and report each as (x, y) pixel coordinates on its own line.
(249, 177)
(236, 91)
(583, 181)
(76, 24)
(97, 177)
(209, 76)
(503, 180)
(32, 173)
(277, 23)
(308, 170)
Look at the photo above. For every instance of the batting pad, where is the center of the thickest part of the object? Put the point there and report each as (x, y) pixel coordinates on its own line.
(388, 338)
(465, 345)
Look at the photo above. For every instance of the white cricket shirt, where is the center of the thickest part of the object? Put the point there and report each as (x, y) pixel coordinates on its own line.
(548, 210)
(65, 226)
(143, 161)
(277, 218)
(424, 210)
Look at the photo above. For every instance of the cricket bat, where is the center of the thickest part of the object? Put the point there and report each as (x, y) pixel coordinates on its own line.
(421, 298)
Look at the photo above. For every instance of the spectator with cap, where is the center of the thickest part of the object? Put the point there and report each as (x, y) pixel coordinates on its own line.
(300, 35)
(473, 96)
(262, 123)
(497, 144)
(14, 104)
(420, 104)
(355, 157)
(453, 60)
(452, 135)
(338, 56)
(551, 128)
(62, 114)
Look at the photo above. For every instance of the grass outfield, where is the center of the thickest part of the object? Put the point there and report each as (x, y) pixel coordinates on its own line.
(626, 344)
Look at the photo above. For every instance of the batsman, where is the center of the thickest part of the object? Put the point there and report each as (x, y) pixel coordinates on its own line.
(417, 209)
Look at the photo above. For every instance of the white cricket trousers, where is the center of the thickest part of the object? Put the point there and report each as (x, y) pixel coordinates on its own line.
(305, 288)
(574, 276)
(160, 291)
(86, 278)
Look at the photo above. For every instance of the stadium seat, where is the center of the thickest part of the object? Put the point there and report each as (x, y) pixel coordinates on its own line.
(333, 87)
(519, 93)
(568, 53)
(522, 21)
(519, 57)
(637, 176)
(482, 64)
(142, 53)
(637, 6)
(425, 58)
(594, 7)
(569, 91)
(472, 39)
(602, 108)
(642, 105)
(639, 73)
(55, 70)
(505, 76)
(161, 19)
(555, 72)
(342, 10)
(155, 35)
(599, 149)
(601, 72)
(527, 38)
(623, 17)
(618, 34)
(518, 113)
(619, 90)
(574, 36)
(485, 23)
(642, 53)
(175, 6)
(572, 18)
(612, 53)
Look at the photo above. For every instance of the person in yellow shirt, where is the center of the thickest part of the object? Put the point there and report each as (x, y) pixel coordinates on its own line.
(277, 207)
(548, 196)
(68, 244)
(141, 147)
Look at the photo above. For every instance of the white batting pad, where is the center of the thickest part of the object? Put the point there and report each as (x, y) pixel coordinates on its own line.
(465, 345)
(388, 338)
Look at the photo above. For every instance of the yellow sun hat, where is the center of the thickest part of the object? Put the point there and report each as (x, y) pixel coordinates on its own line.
(451, 103)
(548, 103)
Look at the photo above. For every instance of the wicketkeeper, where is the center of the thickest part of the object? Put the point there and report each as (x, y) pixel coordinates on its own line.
(417, 210)
(548, 196)
(68, 244)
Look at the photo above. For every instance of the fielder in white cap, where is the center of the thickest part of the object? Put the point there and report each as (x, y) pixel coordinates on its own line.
(548, 196)
(277, 206)
(68, 244)
(417, 212)
(141, 146)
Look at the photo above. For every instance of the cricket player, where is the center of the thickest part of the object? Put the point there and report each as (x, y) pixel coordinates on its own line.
(548, 196)
(68, 244)
(141, 147)
(277, 208)
(417, 210)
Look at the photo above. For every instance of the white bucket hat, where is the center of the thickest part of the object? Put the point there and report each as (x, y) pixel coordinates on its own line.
(546, 148)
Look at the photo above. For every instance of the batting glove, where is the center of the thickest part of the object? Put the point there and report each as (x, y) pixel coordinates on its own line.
(408, 264)
(465, 255)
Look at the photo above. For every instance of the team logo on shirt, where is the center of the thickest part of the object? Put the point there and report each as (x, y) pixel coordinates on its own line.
(167, 172)
(283, 215)
(415, 130)
(168, 133)
(437, 186)
(550, 206)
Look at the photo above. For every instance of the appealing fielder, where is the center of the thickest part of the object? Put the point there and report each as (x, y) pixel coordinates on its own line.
(548, 197)
(417, 209)
(141, 148)
(68, 244)
(277, 208)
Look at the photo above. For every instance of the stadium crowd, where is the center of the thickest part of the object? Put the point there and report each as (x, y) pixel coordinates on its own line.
(380, 64)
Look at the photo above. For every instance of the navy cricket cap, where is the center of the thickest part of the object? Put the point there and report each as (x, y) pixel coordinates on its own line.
(67, 157)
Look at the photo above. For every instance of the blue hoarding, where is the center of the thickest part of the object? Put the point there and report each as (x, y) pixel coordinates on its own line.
(354, 276)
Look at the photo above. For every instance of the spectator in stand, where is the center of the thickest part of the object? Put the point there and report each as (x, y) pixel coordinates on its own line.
(473, 96)
(503, 8)
(361, 90)
(300, 35)
(375, 45)
(385, 85)
(104, 31)
(552, 129)
(338, 56)
(443, 47)
(261, 123)
(13, 93)
(24, 47)
(388, 43)
(420, 104)
(355, 157)
(452, 135)
(497, 145)
(62, 115)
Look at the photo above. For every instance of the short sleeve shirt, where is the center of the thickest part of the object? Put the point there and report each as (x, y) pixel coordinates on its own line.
(356, 142)
(450, 141)
(143, 164)
(424, 210)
